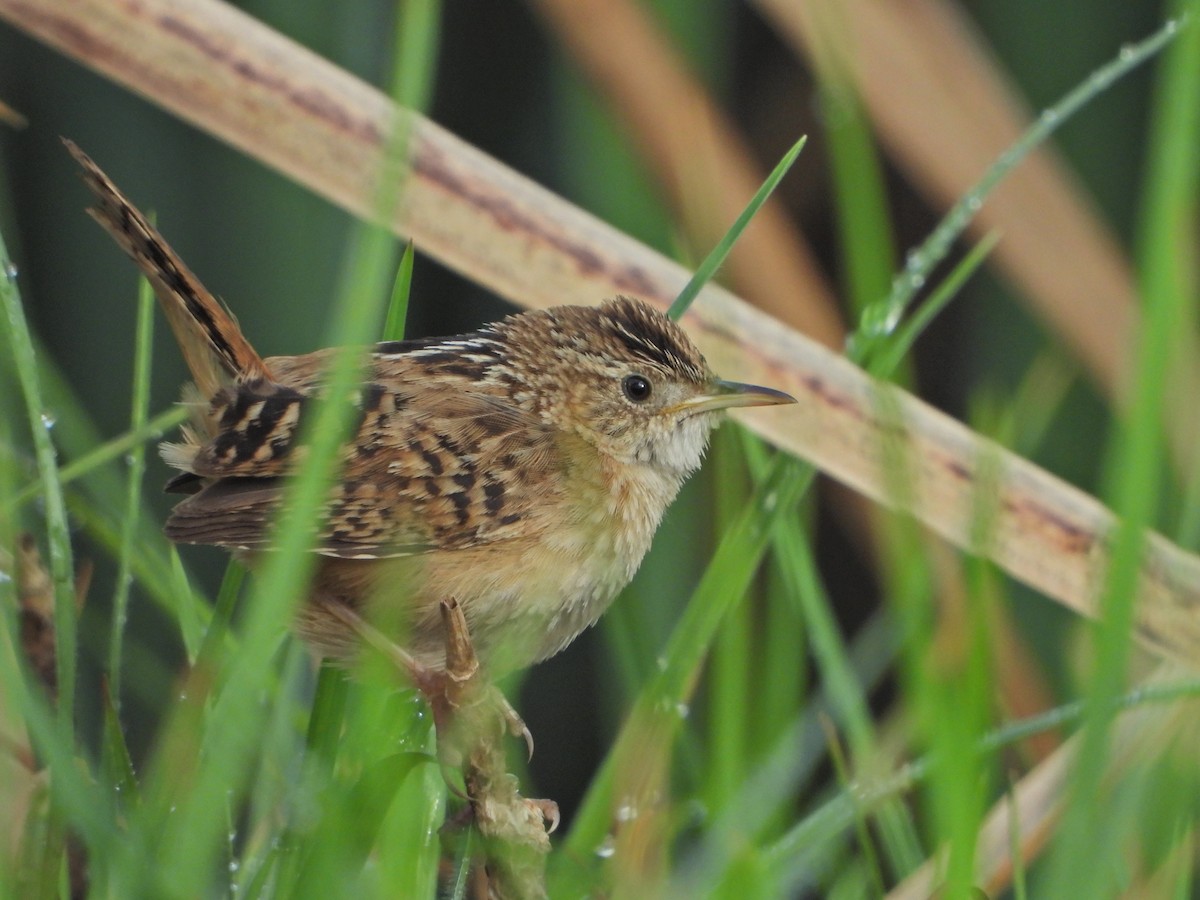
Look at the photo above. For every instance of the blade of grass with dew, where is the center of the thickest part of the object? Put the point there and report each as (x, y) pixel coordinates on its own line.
(16, 333)
(881, 318)
(1134, 470)
(867, 256)
(111, 451)
(888, 356)
(55, 743)
(139, 406)
(95, 500)
(952, 697)
(708, 268)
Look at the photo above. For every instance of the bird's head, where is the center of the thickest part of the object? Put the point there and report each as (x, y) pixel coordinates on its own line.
(627, 379)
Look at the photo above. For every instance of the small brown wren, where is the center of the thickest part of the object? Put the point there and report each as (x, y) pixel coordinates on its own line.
(521, 469)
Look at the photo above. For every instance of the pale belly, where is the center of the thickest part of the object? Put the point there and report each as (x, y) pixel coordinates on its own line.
(523, 600)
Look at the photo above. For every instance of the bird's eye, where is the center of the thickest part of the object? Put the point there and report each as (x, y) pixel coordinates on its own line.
(637, 388)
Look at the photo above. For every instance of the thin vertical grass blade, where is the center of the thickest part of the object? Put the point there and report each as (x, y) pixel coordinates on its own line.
(41, 420)
(708, 268)
(139, 405)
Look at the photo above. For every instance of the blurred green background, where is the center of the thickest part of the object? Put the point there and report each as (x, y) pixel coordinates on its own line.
(273, 252)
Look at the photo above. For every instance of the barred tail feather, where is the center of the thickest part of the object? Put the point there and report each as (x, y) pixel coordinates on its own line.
(213, 346)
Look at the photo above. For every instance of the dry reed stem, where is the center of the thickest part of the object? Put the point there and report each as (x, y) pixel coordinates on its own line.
(946, 112)
(1040, 795)
(237, 79)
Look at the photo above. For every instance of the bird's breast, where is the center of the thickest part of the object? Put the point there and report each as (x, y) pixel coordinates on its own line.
(526, 600)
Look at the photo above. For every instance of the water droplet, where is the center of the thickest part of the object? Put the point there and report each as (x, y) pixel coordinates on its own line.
(234, 865)
(10, 271)
(682, 710)
(915, 261)
(1127, 53)
(1170, 26)
(661, 662)
(1049, 117)
(607, 848)
(5, 578)
(916, 282)
(974, 204)
(770, 501)
(48, 421)
(626, 812)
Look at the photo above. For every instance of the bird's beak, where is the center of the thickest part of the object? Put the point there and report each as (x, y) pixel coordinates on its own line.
(725, 394)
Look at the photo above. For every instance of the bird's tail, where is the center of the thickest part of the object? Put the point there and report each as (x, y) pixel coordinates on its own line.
(213, 346)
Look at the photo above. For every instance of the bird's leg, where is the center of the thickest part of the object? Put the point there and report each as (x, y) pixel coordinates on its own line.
(462, 667)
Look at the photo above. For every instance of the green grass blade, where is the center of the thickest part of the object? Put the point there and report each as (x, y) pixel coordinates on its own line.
(110, 451)
(891, 354)
(708, 268)
(786, 769)
(397, 313)
(16, 333)
(230, 738)
(1134, 468)
(848, 702)
(882, 318)
(865, 229)
(416, 41)
(143, 342)
(116, 762)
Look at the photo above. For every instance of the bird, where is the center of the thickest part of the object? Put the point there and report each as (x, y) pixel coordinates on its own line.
(520, 470)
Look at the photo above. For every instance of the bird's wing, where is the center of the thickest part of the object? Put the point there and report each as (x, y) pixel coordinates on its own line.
(430, 467)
